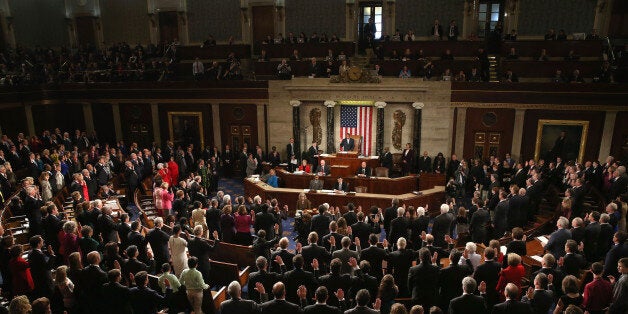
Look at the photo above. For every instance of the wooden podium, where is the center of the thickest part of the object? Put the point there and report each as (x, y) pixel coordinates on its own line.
(345, 164)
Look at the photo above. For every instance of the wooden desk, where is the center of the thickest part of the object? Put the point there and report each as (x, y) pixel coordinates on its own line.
(433, 197)
(307, 50)
(375, 185)
(430, 180)
(348, 159)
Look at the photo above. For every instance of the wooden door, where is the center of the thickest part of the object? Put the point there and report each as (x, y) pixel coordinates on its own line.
(238, 125)
(168, 26)
(486, 144)
(85, 30)
(263, 24)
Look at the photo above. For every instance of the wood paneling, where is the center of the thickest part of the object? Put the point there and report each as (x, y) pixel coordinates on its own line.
(205, 109)
(619, 145)
(596, 125)
(67, 117)
(504, 125)
(13, 121)
(103, 122)
(137, 124)
(238, 115)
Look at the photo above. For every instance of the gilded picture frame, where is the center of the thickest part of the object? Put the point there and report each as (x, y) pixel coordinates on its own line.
(186, 128)
(551, 142)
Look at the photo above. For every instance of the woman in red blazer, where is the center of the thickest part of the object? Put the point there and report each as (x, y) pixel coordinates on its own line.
(511, 274)
(305, 166)
(22, 280)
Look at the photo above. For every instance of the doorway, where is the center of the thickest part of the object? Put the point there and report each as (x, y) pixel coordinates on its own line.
(168, 26)
(263, 24)
(85, 31)
(486, 144)
(369, 10)
(490, 14)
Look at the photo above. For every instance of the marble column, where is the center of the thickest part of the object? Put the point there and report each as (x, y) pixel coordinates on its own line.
(296, 122)
(154, 111)
(379, 135)
(117, 123)
(461, 120)
(416, 131)
(330, 104)
(30, 123)
(607, 135)
(517, 134)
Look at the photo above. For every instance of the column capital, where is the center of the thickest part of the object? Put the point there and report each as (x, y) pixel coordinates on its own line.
(295, 103)
(329, 103)
(380, 104)
(418, 105)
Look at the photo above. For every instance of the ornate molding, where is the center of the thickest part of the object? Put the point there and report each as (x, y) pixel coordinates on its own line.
(295, 103)
(329, 103)
(536, 106)
(418, 105)
(380, 105)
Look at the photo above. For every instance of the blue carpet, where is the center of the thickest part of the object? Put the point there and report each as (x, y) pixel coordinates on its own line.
(231, 186)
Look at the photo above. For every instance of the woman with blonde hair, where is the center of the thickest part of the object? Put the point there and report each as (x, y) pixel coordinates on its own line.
(45, 187)
(20, 305)
(303, 203)
(198, 218)
(66, 287)
(514, 273)
(166, 200)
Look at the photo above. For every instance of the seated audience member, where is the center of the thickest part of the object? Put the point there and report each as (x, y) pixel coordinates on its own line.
(342, 56)
(214, 72)
(394, 56)
(510, 77)
(396, 36)
(562, 36)
(316, 183)
(559, 77)
(550, 35)
(572, 56)
(512, 55)
(295, 55)
(543, 55)
(409, 36)
(278, 39)
(576, 77)
(460, 77)
(302, 38)
(605, 74)
(407, 55)
(475, 75)
(209, 42)
(446, 75)
(314, 69)
(405, 72)
(323, 38)
(305, 166)
(263, 57)
(268, 40)
(511, 36)
(283, 70)
(334, 39)
(447, 55)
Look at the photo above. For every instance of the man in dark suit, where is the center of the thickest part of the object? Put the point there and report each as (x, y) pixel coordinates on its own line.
(118, 296)
(52, 225)
(512, 305)
(452, 33)
(236, 304)
(335, 280)
(500, 220)
(332, 240)
(107, 227)
(320, 223)
(539, 298)
(291, 149)
(398, 226)
(41, 264)
(296, 278)
(136, 238)
(390, 213)
(449, 279)
(347, 144)
(488, 272)
(467, 302)
(363, 230)
(323, 169)
(437, 31)
(425, 163)
(556, 243)
(279, 305)
(363, 171)
(592, 236)
(92, 279)
(32, 207)
(345, 255)
(263, 276)
(283, 253)
(362, 299)
(572, 262)
(386, 160)
(158, 240)
(477, 225)
(423, 280)
(265, 220)
(340, 185)
(321, 306)
(200, 248)
(145, 300)
(375, 255)
(399, 263)
(132, 265)
(441, 226)
(312, 153)
(132, 180)
(407, 159)
(520, 176)
(314, 251)
(617, 251)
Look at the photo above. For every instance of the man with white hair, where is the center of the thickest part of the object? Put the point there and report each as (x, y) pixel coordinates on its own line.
(398, 226)
(441, 226)
(158, 240)
(400, 262)
(556, 243)
(470, 256)
(236, 304)
(468, 302)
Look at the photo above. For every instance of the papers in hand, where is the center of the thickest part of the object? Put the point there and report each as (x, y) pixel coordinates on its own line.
(543, 240)
(537, 258)
(503, 249)
(299, 172)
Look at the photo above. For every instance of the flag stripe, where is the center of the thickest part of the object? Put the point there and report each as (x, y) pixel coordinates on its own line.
(363, 126)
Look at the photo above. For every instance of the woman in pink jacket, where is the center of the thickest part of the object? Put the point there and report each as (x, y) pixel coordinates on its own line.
(166, 200)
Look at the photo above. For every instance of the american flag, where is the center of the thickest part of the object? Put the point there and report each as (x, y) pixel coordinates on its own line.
(357, 120)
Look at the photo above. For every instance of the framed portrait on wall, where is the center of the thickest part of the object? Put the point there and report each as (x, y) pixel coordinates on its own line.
(561, 138)
(186, 128)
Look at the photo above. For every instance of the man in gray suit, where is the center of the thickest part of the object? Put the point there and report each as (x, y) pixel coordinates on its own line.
(558, 238)
(344, 254)
(236, 304)
(316, 184)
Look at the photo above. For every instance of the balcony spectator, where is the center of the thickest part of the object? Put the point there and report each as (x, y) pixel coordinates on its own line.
(291, 39)
(576, 77)
(302, 38)
(605, 75)
(263, 57)
(446, 75)
(543, 55)
(334, 39)
(428, 70)
(314, 69)
(396, 36)
(572, 56)
(473, 37)
(407, 55)
(279, 39)
(330, 55)
(323, 38)
(214, 72)
(550, 35)
(268, 40)
(295, 55)
(405, 72)
(562, 36)
(512, 55)
(379, 52)
(231, 40)
(409, 36)
(209, 42)
(593, 35)
(453, 31)
(342, 56)
(510, 77)
(559, 77)
(343, 69)
(461, 77)
(198, 70)
(394, 56)
(475, 75)
(437, 31)
(331, 68)
(512, 36)
(420, 55)
(447, 55)
(234, 71)
(284, 72)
